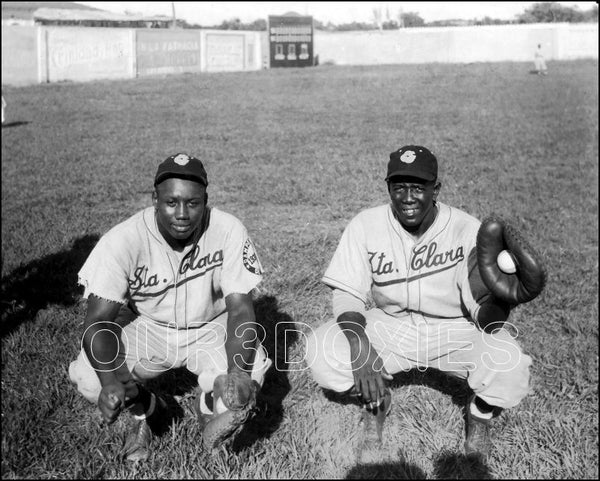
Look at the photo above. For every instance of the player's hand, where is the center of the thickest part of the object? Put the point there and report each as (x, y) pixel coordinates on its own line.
(111, 401)
(369, 373)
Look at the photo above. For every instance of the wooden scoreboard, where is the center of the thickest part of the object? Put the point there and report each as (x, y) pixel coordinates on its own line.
(290, 41)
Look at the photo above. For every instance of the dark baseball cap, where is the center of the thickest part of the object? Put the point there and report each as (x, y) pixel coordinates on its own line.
(181, 166)
(414, 161)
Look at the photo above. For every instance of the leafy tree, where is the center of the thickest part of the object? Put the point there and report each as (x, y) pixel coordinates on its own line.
(390, 25)
(347, 27)
(490, 21)
(411, 19)
(258, 25)
(183, 24)
(232, 24)
(591, 15)
(318, 25)
(236, 24)
(550, 12)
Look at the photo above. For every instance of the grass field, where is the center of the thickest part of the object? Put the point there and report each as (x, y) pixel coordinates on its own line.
(295, 154)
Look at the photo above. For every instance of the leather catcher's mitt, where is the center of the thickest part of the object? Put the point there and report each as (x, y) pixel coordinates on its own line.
(237, 392)
(494, 236)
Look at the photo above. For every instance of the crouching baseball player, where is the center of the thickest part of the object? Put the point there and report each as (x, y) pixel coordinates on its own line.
(169, 287)
(416, 260)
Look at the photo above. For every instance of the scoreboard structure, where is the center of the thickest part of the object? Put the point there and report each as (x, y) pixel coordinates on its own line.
(291, 41)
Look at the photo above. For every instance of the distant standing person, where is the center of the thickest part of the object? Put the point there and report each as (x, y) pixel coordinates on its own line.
(539, 61)
(169, 287)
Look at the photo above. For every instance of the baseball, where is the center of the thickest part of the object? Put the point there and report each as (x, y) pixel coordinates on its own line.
(506, 262)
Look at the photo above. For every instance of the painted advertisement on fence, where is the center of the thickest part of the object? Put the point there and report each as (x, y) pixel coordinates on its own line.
(167, 51)
(224, 52)
(89, 53)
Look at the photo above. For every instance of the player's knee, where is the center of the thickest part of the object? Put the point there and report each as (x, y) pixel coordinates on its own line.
(517, 381)
(327, 366)
(504, 388)
(85, 379)
(314, 355)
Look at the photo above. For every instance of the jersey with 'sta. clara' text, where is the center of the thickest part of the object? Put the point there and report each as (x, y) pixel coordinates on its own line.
(133, 263)
(436, 276)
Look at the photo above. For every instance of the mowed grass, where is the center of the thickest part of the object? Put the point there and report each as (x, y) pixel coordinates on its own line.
(295, 154)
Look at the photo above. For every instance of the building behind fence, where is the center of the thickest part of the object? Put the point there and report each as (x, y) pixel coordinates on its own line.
(40, 54)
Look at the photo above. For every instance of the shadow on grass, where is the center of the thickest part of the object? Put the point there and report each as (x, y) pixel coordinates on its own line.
(278, 329)
(15, 124)
(446, 466)
(398, 470)
(171, 383)
(460, 466)
(278, 332)
(458, 389)
(49, 280)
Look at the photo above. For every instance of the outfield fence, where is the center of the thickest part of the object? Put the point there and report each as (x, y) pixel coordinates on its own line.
(37, 54)
(490, 43)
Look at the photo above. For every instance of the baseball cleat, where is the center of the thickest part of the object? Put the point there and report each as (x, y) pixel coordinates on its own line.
(139, 440)
(477, 442)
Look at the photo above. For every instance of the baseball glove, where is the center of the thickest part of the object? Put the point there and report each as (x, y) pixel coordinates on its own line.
(494, 236)
(235, 391)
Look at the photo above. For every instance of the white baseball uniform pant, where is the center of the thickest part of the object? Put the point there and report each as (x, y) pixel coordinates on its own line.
(540, 64)
(493, 364)
(149, 349)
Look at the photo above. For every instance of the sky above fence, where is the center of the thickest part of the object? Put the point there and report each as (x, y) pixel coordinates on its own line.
(213, 13)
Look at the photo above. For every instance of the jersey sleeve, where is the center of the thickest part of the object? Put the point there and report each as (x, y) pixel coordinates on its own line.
(343, 301)
(350, 269)
(104, 272)
(242, 270)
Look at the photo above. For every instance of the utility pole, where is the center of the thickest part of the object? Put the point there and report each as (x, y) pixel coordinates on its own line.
(377, 16)
(174, 24)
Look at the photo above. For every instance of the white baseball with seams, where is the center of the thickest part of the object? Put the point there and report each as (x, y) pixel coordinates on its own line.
(506, 262)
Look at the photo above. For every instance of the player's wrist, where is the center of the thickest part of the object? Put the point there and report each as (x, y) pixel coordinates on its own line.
(108, 379)
(360, 348)
(236, 368)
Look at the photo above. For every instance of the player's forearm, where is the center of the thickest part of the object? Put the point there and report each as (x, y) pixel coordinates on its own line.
(240, 346)
(101, 345)
(241, 341)
(493, 313)
(353, 326)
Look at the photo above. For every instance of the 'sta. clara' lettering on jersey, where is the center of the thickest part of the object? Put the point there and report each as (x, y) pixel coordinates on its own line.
(423, 256)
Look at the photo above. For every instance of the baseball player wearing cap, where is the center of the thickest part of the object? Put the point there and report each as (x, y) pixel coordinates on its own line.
(169, 287)
(415, 260)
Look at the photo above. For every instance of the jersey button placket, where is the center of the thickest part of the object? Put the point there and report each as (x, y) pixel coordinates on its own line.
(412, 288)
(175, 270)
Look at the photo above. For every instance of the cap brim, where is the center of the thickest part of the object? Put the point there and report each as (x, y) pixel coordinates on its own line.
(179, 175)
(412, 173)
